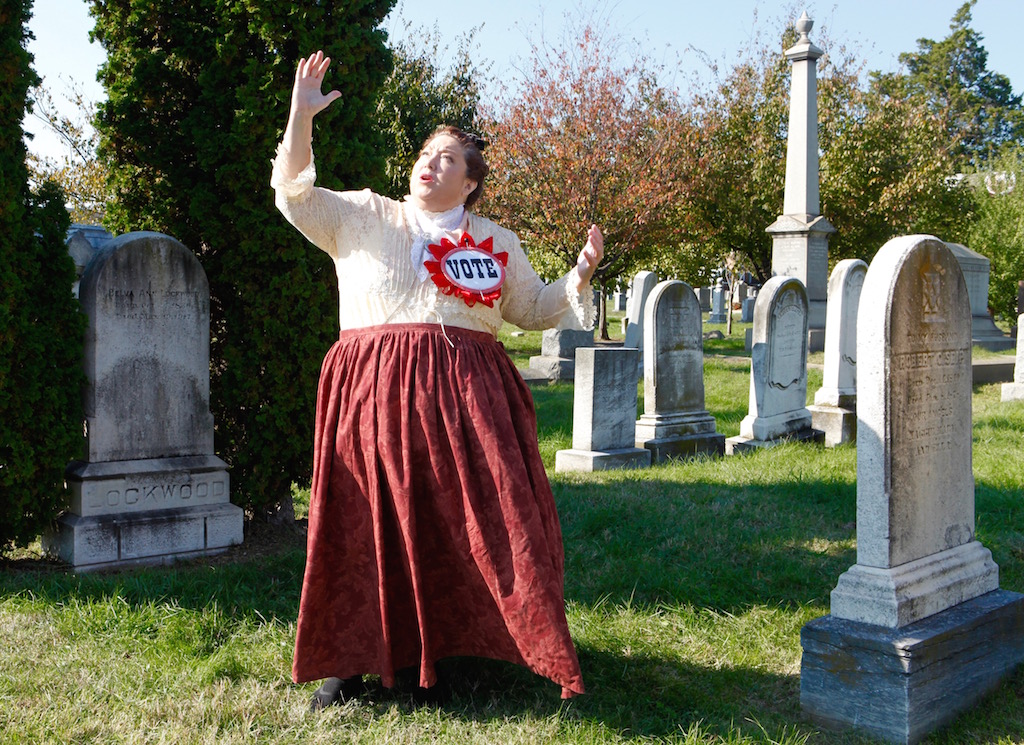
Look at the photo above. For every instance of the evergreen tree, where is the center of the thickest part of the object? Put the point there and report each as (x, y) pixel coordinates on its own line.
(40, 325)
(198, 96)
(951, 77)
(417, 97)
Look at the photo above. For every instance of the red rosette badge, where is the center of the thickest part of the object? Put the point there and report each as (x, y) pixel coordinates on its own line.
(474, 273)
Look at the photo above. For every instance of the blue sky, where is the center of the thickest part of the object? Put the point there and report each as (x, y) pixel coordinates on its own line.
(669, 30)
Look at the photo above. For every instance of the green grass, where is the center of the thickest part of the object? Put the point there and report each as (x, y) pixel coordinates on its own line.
(686, 585)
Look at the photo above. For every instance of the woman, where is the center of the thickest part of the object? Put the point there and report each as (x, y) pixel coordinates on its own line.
(432, 527)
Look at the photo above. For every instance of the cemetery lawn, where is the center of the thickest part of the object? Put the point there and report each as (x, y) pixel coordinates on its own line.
(686, 588)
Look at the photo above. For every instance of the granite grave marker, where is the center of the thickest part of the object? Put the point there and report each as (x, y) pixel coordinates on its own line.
(918, 629)
(675, 423)
(150, 487)
(778, 370)
(835, 404)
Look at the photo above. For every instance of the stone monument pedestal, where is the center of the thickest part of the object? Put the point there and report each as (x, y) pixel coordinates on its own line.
(680, 435)
(148, 511)
(900, 684)
(587, 461)
(603, 412)
(557, 359)
(740, 444)
(837, 424)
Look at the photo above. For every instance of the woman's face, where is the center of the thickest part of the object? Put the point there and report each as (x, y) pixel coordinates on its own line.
(439, 181)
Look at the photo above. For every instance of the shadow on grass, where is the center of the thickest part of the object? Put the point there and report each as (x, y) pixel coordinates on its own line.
(769, 531)
(714, 545)
(255, 581)
(641, 696)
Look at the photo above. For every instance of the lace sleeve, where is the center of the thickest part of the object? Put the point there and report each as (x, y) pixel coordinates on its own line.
(297, 188)
(311, 210)
(531, 304)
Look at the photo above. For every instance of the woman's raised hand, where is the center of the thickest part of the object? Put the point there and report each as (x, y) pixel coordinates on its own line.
(590, 256)
(308, 98)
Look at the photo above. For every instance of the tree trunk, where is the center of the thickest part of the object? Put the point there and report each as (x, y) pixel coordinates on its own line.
(728, 309)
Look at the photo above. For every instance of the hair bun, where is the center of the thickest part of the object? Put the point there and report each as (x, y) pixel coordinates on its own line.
(477, 140)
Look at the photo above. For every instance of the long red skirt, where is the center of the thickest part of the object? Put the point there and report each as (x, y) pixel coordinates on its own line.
(432, 526)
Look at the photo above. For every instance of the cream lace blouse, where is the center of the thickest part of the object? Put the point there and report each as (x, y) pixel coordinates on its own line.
(370, 240)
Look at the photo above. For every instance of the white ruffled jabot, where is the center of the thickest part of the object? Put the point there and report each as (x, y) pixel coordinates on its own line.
(430, 227)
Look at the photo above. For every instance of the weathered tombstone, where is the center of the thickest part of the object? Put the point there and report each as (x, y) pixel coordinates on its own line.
(557, 359)
(604, 412)
(82, 243)
(619, 300)
(778, 370)
(720, 304)
(643, 283)
(1015, 391)
(150, 488)
(747, 309)
(704, 297)
(835, 404)
(976, 270)
(919, 629)
(675, 423)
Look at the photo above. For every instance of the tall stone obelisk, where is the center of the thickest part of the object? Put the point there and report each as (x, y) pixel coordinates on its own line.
(800, 235)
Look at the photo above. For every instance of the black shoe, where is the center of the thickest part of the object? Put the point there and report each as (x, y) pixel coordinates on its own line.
(336, 691)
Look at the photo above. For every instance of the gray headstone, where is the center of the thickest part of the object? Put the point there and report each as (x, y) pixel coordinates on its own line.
(839, 380)
(747, 309)
(604, 412)
(619, 300)
(919, 629)
(1015, 391)
(80, 251)
(916, 550)
(150, 485)
(778, 369)
(719, 305)
(675, 422)
(976, 270)
(643, 283)
(704, 297)
(835, 403)
(557, 359)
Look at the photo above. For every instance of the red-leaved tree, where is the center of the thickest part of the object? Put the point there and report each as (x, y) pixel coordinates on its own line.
(583, 141)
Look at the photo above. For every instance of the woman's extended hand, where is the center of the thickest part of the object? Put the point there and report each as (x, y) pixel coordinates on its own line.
(590, 256)
(308, 98)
